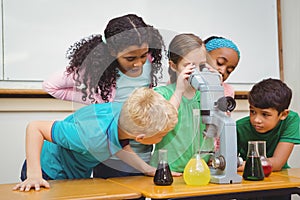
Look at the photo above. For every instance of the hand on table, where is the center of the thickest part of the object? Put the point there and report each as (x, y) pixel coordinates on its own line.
(29, 183)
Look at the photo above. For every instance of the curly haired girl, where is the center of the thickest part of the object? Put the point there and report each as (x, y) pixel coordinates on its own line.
(106, 68)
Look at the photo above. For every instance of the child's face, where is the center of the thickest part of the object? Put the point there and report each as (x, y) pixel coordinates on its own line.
(132, 59)
(196, 57)
(224, 60)
(264, 120)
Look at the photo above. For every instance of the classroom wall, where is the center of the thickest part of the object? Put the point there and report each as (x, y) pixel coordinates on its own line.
(16, 113)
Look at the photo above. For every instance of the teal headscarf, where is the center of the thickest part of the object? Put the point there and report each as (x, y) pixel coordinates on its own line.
(219, 42)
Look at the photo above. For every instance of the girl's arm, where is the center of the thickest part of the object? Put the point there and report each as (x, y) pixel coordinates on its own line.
(281, 155)
(132, 159)
(36, 133)
(62, 86)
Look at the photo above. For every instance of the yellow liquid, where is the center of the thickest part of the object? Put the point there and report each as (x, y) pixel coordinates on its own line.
(196, 172)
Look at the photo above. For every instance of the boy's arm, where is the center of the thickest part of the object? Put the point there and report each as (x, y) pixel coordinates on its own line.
(132, 159)
(279, 158)
(36, 133)
(281, 155)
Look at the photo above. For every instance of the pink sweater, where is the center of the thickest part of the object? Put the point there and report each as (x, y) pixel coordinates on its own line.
(62, 86)
(228, 90)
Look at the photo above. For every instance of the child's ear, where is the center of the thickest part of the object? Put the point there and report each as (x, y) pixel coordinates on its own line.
(172, 65)
(140, 137)
(284, 114)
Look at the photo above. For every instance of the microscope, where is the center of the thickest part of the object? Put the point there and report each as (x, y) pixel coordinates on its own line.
(214, 105)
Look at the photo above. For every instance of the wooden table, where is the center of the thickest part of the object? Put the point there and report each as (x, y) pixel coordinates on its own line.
(292, 172)
(278, 183)
(72, 189)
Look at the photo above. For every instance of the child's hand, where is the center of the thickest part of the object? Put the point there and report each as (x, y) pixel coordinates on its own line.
(182, 79)
(150, 171)
(176, 174)
(31, 183)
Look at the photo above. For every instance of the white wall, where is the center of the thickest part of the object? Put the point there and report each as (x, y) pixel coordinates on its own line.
(14, 117)
(291, 49)
(290, 13)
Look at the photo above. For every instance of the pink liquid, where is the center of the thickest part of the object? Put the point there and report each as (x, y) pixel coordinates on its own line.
(267, 169)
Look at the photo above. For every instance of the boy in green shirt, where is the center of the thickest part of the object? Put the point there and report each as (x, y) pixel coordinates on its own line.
(270, 120)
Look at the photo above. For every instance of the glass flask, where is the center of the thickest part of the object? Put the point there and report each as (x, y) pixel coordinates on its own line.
(253, 169)
(163, 175)
(196, 171)
(266, 164)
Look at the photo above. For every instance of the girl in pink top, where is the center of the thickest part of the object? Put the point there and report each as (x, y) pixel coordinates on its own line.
(97, 62)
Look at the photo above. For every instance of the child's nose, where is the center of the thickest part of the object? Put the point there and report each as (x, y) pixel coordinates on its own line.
(257, 119)
(222, 69)
(139, 63)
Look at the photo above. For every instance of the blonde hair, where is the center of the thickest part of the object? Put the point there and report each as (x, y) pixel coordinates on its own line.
(147, 112)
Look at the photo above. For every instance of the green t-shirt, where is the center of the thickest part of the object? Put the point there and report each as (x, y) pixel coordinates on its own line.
(183, 141)
(285, 131)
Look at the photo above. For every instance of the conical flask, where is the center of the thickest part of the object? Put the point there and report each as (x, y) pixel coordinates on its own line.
(253, 169)
(266, 164)
(163, 175)
(196, 172)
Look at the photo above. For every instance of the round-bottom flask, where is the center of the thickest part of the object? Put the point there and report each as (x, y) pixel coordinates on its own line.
(266, 164)
(196, 172)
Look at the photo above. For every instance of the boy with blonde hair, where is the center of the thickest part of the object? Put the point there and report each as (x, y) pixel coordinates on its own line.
(70, 148)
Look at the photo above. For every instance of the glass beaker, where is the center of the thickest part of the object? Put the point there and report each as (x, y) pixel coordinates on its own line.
(196, 171)
(253, 169)
(163, 175)
(266, 164)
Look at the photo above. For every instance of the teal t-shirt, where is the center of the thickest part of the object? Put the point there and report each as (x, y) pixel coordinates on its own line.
(285, 131)
(183, 141)
(81, 141)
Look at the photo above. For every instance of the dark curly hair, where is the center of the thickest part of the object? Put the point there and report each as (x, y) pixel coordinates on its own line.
(92, 64)
(270, 93)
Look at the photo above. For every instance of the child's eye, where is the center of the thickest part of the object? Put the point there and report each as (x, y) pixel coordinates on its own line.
(229, 69)
(220, 61)
(252, 112)
(266, 114)
(130, 59)
(145, 55)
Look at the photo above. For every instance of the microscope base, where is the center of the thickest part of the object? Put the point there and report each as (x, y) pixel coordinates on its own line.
(223, 179)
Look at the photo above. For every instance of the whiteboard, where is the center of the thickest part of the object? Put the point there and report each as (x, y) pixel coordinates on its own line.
(37, 33)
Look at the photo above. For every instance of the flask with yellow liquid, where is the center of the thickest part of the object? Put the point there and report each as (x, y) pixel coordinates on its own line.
(196, 172)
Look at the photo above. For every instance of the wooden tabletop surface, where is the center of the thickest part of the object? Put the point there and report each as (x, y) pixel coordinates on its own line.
(137, 186)
(72, 189)
(145, 185)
